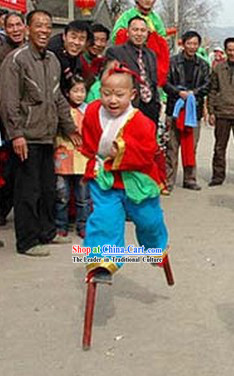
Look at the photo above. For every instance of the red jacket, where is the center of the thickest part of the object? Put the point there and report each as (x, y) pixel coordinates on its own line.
(136, 141)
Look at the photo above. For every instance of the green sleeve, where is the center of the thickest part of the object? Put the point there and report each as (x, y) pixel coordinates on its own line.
(158, 23)
(94, 92)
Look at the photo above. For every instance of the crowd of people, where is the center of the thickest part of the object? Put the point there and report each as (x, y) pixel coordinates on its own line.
(79, 120)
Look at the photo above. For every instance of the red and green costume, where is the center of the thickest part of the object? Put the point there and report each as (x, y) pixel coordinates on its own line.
(128, 183)
(136, 149)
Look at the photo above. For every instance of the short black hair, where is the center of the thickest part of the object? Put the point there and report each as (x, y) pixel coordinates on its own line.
(76, 79)
(191, 34)
(99, 28)
(13, 14)
(31, 14)
(72, 81)
(3, 12)
(136, 18)
(80, 25)
(228, 40)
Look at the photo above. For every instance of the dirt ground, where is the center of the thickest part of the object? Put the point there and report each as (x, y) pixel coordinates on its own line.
(142, 326)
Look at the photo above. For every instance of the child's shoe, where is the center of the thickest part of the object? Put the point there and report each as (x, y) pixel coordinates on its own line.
(102, 276)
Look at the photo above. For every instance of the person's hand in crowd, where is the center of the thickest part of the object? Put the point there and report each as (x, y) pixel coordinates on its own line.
(184, 94)
(212, 120)
(20, 148)
(76, 138)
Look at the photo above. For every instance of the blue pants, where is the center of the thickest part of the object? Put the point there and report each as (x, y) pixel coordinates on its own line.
(82, 201)
(106, 224)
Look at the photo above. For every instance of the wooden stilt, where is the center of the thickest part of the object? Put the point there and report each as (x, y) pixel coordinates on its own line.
(90, 301)
(89, 310)
(168, 271)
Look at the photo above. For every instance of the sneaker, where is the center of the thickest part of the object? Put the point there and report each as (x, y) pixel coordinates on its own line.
(37, 251)
(61, 239)
(102, 276)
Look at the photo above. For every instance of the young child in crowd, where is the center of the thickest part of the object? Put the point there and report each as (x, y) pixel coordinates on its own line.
(70, 166)
(123, 177)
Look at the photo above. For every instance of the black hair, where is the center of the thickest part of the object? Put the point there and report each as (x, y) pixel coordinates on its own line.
(36, 11)
(136, 18)
(80, 25)
(191, 34)
(13, 14)
(95, 28)
(73, 80)
(228, 40)
(3, 11)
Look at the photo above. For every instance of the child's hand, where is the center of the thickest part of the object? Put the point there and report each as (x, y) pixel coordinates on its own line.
(113, 150)
(75, 139)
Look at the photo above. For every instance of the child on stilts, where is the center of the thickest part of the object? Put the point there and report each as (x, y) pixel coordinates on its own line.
(119, 142)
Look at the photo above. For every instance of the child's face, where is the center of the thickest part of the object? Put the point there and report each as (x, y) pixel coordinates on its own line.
(117, 92)
(77, 93)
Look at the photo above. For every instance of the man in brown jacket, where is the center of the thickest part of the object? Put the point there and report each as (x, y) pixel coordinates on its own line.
(221, 110)
(32, 109)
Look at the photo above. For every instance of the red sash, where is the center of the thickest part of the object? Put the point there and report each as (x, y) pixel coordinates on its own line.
(186, 141)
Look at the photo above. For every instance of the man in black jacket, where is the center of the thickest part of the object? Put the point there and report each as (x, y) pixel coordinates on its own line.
(142, 60)
(188, 74)
(68, 48)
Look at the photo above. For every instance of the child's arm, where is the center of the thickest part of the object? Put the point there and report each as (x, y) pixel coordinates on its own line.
(134, 149)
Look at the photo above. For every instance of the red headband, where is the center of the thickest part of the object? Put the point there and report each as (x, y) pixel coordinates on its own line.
(124, 69)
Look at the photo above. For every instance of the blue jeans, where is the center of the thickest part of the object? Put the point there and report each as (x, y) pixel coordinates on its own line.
(82, 201)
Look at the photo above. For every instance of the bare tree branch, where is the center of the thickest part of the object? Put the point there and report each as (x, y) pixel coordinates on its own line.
(193, 14)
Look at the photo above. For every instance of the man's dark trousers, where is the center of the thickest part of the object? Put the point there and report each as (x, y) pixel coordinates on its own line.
(34, 197)
(222, 133)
